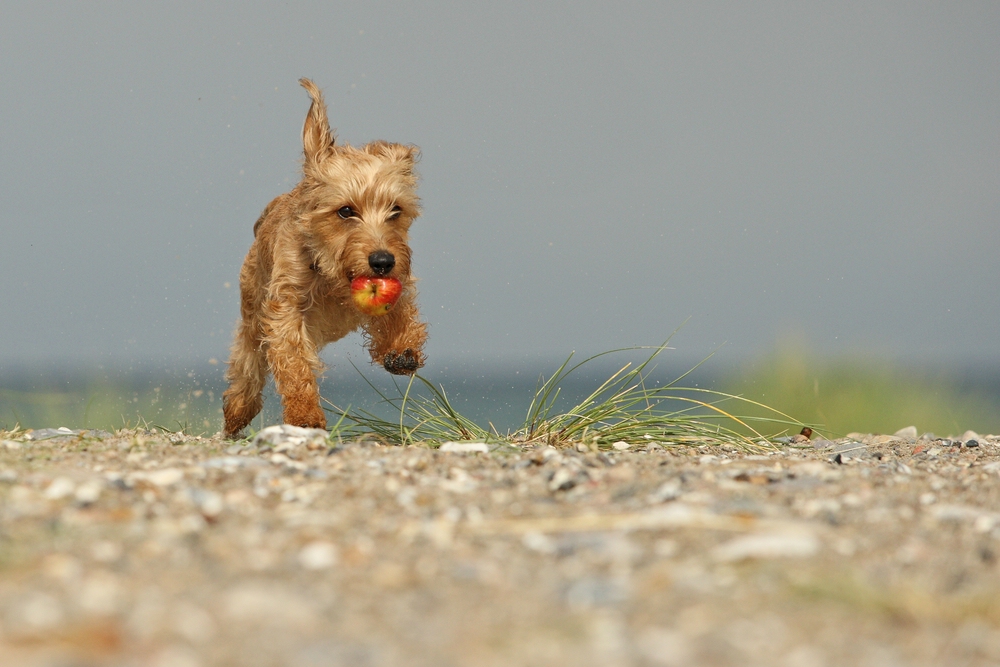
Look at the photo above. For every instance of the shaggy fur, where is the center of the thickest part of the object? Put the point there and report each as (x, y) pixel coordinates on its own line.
(352, 207)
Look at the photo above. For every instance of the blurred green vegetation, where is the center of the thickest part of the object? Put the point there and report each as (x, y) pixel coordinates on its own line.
(93, 398)
(871, 395)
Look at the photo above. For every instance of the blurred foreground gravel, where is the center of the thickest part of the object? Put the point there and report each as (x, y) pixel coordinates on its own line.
(140, 548)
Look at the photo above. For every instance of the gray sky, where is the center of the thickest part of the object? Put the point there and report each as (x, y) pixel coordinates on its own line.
(593, 174)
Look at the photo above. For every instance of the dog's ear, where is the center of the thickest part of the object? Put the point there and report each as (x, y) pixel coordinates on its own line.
(317, 138)
(409, 157)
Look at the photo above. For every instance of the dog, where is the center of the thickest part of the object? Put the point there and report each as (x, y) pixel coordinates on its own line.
(348, 218)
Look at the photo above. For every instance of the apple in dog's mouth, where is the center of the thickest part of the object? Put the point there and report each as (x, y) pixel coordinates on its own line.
(375, 296)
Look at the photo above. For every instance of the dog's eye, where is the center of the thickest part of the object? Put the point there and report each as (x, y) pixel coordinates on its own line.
(395, 212)
(346, 212)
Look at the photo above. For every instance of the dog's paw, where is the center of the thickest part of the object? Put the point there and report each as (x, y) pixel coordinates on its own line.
(304, 416)
(405, 363)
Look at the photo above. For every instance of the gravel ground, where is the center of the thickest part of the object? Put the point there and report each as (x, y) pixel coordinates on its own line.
(139, 548)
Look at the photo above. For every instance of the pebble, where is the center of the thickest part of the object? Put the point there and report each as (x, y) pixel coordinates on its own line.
(60, 488)
(319, 555)
(908, 433)
(669, 490)
(89, 492)
(233, 462)
(161, 477)
(539, 542)
(947, 513)
(850, 448)
(48, 433)
(288, 436)
(562, 479)
(779, 545)
(465, 447)
(63, 432)
(40, 611)
(209, 503)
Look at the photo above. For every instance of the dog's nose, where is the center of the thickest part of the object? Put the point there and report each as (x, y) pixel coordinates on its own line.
(381, 262)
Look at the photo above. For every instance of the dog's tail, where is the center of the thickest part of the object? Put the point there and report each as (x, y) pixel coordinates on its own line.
(316, 134)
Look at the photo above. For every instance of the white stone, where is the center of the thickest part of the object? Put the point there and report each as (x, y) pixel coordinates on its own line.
(563, 480)
(669, 490)
(164, 477)
(88, 492)
(211, 505)
(41, 611)
(232, 463)
(60, 488)
(949, 513)
(287, 436)
(459, 481)
(908, 433)
(621, 445)
(319, 555)
(764, 545)
(539, 542)
(985, 523)
(465, 447)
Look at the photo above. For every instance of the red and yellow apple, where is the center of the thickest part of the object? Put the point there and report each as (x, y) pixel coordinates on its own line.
(375, 296)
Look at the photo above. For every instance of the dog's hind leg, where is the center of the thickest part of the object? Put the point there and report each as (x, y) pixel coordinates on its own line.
(247, 371)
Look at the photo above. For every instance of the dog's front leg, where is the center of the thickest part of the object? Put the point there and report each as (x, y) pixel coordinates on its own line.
(396, 340)
(294, 359)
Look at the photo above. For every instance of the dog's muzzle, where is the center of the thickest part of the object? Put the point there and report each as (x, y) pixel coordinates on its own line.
(381, 262)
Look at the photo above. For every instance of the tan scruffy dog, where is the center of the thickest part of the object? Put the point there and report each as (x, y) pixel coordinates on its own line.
(347, 219)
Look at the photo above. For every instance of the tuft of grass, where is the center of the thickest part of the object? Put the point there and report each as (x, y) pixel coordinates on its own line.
(628, 406)
(422, 418)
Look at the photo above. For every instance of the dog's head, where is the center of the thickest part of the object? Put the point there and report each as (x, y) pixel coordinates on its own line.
(357, 203)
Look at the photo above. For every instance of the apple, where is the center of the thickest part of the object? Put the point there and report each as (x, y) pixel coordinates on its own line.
(375, 296)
